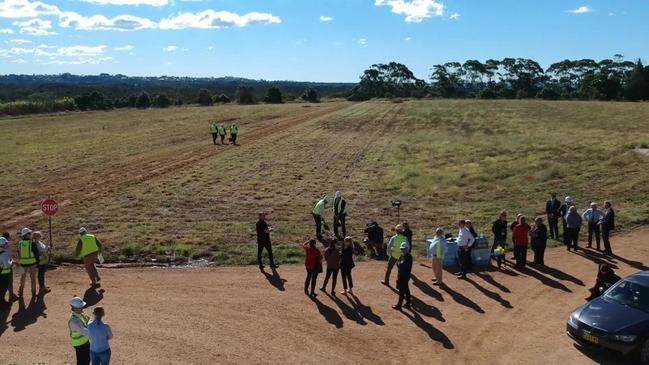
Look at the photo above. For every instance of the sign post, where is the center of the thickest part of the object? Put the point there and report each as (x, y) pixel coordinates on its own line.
(50, 207)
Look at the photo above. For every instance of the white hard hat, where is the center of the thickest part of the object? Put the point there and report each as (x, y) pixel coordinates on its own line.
(326, 198)
(77, 303)
(82, 230)
(568, 199)
(3, 241)
(403, 245)
(25, 231)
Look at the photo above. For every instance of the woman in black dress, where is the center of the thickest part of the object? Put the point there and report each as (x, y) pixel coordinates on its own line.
(346, 266)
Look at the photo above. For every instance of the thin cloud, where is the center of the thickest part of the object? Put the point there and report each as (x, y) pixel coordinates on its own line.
(210, 19)
(324, 18)
(125, 48)
(120, 23)
(36, 27)
(170, 48)
(26, 9)
(407, 39)
(415, 10)
(362, 42)
(129, 2)
(454, 16)
(18, 41)
(6, 31)
(581, 10)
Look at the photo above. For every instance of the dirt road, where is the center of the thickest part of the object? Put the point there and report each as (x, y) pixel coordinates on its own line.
(239, 315)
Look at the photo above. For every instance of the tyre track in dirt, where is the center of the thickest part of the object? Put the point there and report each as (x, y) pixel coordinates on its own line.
(91, 183)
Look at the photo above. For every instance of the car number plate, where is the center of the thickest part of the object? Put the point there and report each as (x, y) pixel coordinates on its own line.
(590, 338)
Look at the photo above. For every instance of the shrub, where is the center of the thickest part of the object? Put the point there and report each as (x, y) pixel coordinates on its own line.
(93, 101)
(162, 101)
(204, 97)
(34, 107)
(549, 93)
(273, 96)
(246, 95)
(311, 95)
(222, 99)
(143, 101)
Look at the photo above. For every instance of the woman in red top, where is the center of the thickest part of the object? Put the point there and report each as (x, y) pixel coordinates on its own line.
(520, 233)
(313, 264)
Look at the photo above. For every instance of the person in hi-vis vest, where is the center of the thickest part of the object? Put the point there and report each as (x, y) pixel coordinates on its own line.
(89, 248)
(318, 216)
(28, 256)
(214, 130)
(78, 329)
(340, 212)
(393, 250)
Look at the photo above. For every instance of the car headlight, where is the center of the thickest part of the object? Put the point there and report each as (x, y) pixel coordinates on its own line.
(572, 321)
(625, 338)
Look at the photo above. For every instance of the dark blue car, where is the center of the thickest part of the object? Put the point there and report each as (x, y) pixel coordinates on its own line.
(618, 320)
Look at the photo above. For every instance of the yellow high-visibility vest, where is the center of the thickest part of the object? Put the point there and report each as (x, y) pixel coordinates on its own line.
(76, 338)
(88, 245)
(25, 253)
(395, 251)
(319, 205)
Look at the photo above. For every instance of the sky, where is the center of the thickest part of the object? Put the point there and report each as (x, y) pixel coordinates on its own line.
(307, 40)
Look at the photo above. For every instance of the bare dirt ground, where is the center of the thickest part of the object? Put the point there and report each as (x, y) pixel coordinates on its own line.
(239, 315)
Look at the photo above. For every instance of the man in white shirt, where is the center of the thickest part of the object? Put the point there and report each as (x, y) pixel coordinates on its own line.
(592, 216)
(465, 241)
(436, 251)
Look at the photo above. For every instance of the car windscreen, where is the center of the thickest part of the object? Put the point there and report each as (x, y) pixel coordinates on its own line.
(630, 294)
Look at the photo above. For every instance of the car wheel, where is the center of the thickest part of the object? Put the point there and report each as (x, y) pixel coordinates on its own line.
(643, 352)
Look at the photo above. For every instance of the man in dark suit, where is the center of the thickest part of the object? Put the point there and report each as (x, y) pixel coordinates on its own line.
(263, 241)
(608, 224)
(340, 212)
(552, 207)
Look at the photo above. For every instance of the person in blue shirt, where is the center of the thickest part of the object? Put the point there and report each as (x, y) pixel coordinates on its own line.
(99, 333)
(592, 217)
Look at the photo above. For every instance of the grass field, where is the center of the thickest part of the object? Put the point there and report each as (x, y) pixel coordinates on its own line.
(151, 182)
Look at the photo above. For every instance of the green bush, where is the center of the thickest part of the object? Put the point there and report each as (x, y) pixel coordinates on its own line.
(204, 97)
(143, 101)
(34, 107)
(130, 249)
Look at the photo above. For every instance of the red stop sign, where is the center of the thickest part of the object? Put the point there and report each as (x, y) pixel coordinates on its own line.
(50, 207)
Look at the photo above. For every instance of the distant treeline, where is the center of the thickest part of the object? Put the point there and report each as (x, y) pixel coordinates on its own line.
(511, 78)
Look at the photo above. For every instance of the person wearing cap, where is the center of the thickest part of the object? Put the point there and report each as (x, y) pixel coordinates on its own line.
(465, 241)
(393, 250)
(608, 224)
(88, 248)
(340, 212)
(43, 260)
(28, 257)
(263, 241)
(573, 226)
(593, 217)
(78, 328)
(100, 333)
(318, 216)
(5, 271)
(405, 268)
(563, 211)
(552, 207)
(436, 252)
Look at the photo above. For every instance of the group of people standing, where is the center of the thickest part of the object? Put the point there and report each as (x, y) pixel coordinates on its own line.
(338, 258)
(600, 223)
(339, 210)
(29, 257)
(218, 130)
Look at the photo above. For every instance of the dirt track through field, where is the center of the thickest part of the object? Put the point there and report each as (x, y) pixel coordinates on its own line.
(85, 185)
(238, 315)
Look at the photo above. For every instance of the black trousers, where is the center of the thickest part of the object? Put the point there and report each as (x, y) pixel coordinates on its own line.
(339, 221)
(233, 138)
(41, 275)
(318, 226)
(346, 273)
(330, 273)
(404, 291)
(539, 253)
(4, 286)
(83, 354)
(311, 277)
(222, 138)
(607, 242)
(572, 238)
(520, 252)
(565, 231)
(593, 228)
(464, 257)
(214, 135)
(269, 249)
(554, 227)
